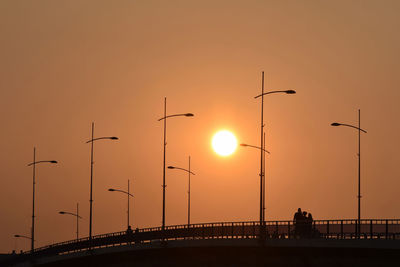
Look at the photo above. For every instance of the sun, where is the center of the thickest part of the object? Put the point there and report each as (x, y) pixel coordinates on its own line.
(224, 143)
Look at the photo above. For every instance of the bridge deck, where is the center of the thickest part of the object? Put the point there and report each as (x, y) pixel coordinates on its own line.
(324, 229)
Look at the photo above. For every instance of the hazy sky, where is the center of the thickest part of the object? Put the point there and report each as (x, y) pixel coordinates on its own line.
(64, 64)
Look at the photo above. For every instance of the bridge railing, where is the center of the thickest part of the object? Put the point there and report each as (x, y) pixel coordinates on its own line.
(328, 229)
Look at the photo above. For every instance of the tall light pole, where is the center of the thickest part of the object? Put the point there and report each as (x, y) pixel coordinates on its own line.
(263, 186)
(165, 144)
(263, 150)
(189, 172)
(125, 192)
(262, 137)
(33, 164)
(359, 165)
(77, 218)
(91, 141)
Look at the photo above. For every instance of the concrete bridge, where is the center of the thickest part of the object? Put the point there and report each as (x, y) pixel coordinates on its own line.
(280, 243)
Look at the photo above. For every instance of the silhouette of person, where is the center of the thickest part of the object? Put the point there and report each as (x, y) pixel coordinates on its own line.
(304, 214)
(297, 215)
(136, 237)
(303, 225)
(129, 230)
(309, 225)
(298, 220)
(129, 233)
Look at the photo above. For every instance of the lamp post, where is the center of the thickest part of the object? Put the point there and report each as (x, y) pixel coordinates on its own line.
(263, 186)
(263, 176)
(23, 236)
(257, 147)
(91, 141)
(33, 164)
(189, 172)
(359, 165)
(165, 144)
(125, 192)
(77, 218)
(262, 133)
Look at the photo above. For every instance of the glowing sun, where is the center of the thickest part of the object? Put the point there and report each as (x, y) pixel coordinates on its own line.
(224, 143)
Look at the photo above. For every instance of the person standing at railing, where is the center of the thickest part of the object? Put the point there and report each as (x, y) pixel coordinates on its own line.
(129, 233)
(298, 221)
(137, 240)
(129, 230)
(308, 227)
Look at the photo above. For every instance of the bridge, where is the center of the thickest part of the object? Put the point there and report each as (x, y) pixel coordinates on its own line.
(339, 232)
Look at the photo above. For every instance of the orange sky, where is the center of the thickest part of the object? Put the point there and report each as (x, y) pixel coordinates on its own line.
(65, 64)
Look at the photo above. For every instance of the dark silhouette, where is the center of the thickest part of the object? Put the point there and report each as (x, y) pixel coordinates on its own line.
(359, 164)
(91, 141)
(129, 231)
(297, 215)
(303, 224)
(165, 144)
(303, 229)
(378, 230)
(129, 234)
(262, 146)
(298, 221)
(309, 223)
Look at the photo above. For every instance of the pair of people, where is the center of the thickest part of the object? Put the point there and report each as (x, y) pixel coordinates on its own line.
(302, 223)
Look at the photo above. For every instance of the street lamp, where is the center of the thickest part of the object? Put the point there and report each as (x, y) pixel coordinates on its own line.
(33, 164)
(91, 179)
(23, 236)
(263, 172)
(165, 144)
(77, 218)
(359, 165)
(263, 149)
(125, 192)
(290, 92)
(189, 172)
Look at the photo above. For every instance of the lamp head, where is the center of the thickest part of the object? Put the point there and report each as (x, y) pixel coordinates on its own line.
(243, 144)
(62, 212)
(17, 236)
(171, 167)
(53, 161)
(290, 92)
(335, 124)
(114, 138)
(111, 190)
(189, 115)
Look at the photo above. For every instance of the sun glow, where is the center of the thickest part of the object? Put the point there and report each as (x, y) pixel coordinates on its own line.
(224, 143)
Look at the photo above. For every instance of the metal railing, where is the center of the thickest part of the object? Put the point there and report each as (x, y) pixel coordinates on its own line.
(327, 229)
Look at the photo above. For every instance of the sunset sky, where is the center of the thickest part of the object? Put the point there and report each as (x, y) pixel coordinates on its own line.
(65, 64)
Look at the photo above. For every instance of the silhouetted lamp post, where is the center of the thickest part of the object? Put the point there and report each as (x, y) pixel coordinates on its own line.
(91, 179)
(247, 145)
(33, 164)
(189, 172)
(125, 192)
(77, 218)
(359, 165)
(262, 133)
(165, 143)
(263, 181)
